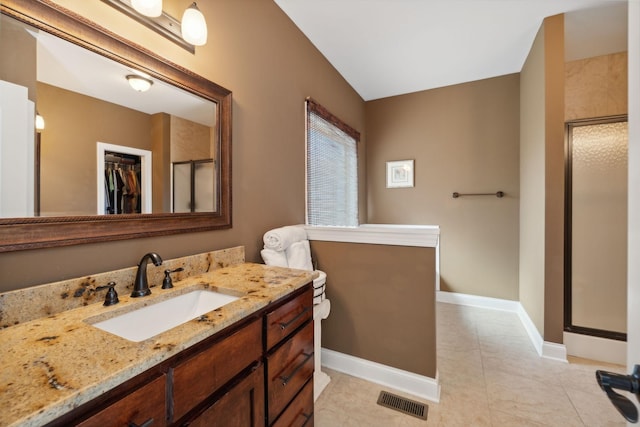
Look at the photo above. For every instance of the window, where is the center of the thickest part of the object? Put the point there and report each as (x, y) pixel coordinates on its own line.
(332, 169)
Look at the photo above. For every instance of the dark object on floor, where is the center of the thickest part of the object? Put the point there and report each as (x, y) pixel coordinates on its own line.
(404, 405)
(631, 383)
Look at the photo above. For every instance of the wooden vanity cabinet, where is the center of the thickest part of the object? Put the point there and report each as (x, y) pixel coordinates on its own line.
(142, 407)
(283, 320)
(290, 364)
(232, 379)
(300, 412)
(198, 377)
(241, 406)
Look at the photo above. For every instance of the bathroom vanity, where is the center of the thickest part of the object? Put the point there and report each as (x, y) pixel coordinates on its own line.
(247, 363)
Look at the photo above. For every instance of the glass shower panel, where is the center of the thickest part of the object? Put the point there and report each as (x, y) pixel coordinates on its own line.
(204, 197)
(599, 226)
(181, 187)
(194, 186)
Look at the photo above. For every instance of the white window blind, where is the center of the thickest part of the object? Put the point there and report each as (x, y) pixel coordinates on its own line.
(332, 169)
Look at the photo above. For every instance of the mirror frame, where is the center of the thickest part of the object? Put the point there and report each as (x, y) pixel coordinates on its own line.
(45, 232)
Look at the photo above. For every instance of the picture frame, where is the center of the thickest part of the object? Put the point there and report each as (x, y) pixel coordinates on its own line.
(400, 174)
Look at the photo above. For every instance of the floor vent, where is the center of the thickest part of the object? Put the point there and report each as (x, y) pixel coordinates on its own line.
(406, 406)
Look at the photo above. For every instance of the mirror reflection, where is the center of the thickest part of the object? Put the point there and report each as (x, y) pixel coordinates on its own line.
(104, 147)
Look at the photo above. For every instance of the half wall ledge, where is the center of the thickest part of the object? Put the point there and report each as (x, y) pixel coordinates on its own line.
(426, 236)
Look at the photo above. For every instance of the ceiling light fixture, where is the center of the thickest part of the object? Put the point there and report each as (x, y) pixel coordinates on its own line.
(152, 8)
(194, 26)
(188, 33)
(139, 83)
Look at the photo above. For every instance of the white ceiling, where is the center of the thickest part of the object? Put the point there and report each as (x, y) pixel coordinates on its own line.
(73, 68)
(391, 47)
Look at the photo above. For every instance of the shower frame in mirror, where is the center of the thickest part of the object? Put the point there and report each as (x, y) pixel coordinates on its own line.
(45, 232)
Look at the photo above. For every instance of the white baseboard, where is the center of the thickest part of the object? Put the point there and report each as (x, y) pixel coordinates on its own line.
(477, 301)
(554, 351)
(596, 348)
(418, 385)
(530, 327)
(545, 349)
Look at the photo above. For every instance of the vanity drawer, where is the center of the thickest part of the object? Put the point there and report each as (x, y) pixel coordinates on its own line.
(285, 319)
(198, 377)
(144, 405)
(300, 412)
(289, 368)
(241, 406)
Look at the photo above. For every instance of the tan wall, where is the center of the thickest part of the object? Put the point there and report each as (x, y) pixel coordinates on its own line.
(161, 169)
(74, 125)
(596, 87)
(463, 138)
(258, 53)
(554, 179)
(542, 177)
(532, 192)
(382, 303)
(189, 140)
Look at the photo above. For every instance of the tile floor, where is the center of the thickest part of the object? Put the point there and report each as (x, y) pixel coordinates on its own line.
(490, 375)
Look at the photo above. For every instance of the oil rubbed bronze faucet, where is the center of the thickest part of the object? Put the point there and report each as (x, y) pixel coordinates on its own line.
(141, 285)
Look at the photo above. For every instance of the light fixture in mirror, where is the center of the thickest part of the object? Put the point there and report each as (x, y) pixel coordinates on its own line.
(139, 83)
(152, 8)
(75, 225)
(39, 122)
(194, 26)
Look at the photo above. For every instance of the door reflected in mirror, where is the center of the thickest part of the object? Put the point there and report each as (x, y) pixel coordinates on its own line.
(191, 189)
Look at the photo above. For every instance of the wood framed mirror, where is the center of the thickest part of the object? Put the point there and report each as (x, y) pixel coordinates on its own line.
(33, 232)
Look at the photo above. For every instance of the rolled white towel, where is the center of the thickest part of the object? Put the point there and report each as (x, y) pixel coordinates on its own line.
(275, 258)
(279, 239)
(299, 255)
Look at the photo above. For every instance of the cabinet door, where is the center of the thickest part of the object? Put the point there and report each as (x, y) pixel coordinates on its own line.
(300, 412)
(143, 407)
(289, 368)
(197, 378)
(241, 406)
(285, 319)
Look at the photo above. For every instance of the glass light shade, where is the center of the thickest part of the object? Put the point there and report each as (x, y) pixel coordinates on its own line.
(139, 83)
(152, 8)
(194, 27)
(39, 122)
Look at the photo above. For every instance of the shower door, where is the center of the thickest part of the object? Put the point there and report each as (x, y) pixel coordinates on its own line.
(193, 186)
(596, 228)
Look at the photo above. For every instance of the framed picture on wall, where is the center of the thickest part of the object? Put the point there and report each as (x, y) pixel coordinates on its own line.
(400, 174)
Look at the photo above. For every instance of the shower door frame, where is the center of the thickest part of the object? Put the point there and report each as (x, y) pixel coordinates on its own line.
(568, 199)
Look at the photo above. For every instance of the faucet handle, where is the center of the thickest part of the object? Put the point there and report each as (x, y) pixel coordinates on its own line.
(167, 283)
(112, 296)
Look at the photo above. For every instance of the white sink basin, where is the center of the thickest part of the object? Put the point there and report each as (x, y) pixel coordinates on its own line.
(146, 322)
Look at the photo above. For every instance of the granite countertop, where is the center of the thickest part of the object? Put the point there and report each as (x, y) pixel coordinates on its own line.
(54, 364)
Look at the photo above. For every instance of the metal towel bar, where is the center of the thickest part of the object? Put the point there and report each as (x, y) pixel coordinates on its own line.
(498, 194)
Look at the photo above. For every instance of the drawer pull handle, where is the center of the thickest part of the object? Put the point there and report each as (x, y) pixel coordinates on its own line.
(285, 379)
(144, 424)
(284, 326)
(307, 418)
